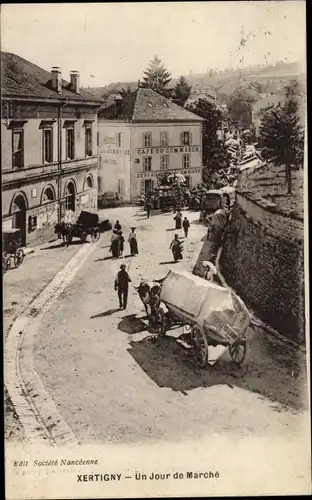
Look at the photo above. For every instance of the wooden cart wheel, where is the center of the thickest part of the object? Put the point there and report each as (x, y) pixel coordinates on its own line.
(7, 264)
(238, 352)
(162, 320)
(95, 235)
(84, 236)
(19, 257)
(199, 345)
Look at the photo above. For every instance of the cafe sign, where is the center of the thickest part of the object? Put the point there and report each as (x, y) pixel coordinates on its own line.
(173, 149)
(149, 175)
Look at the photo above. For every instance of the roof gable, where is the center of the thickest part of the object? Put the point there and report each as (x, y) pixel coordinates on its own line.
(146, 105)
(151, 106)
(21, 78)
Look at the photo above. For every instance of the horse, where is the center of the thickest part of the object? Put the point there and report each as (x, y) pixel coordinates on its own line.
(149, 294)
(65, 229)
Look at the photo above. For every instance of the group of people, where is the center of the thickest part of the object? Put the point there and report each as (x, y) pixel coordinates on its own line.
(118, 241)
(179, 223)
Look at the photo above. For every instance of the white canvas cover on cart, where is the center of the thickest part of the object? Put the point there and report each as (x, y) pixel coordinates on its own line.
(205, 302)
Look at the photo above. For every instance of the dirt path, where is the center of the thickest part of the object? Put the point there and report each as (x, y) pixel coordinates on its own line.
(114, 381)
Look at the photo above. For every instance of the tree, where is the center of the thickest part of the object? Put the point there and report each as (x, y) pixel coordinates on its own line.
(282, 136)
(240, 106)
(125, 92)
(182, 90)
(156, 77)
(215, 155)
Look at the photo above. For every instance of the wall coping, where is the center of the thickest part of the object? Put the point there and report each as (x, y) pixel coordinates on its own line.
(262, 201)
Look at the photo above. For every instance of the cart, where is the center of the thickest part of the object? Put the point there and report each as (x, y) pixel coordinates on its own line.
(87, 224)
(215, 315)
(12, 252)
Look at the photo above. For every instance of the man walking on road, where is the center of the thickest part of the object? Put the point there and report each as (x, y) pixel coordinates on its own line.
(186, 226)
(122, 286)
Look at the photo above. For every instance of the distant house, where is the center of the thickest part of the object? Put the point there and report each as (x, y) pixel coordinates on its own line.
(268, 101)
(142, 136)
(112, 89)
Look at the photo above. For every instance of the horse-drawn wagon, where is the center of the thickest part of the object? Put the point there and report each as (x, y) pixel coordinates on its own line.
(12, 251)
(87, 224)
(215, 315)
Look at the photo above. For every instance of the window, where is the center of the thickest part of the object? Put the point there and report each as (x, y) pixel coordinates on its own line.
(48, 195)
(88, 141)
(164, 162)
(47, 145)
(147, 163)
(70, 197)
(186, 161)
(148, 185)
(70, 143)
(164, 138)
(186, 138)
(147, 140)
(119, 139)
(32, 223)
(18, 149)
(188, 182)
(120, 186)
(88, 183)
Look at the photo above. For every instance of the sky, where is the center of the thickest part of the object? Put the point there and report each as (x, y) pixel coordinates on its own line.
(114, 42)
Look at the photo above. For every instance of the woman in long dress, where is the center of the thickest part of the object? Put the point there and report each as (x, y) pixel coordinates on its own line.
(132, 240)
(121, 244)
(178, 220)
(115, 245)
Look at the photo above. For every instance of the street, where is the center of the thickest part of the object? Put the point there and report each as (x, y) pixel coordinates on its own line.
(113, 381)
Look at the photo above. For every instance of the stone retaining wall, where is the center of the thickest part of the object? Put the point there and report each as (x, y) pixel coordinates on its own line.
(263, 261)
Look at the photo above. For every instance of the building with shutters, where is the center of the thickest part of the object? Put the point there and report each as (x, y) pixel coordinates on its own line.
(143, 135)
(49, 161)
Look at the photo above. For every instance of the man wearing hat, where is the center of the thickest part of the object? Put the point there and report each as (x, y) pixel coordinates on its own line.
(122, 286)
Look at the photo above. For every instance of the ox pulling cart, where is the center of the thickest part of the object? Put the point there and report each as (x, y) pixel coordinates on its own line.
(214, 314)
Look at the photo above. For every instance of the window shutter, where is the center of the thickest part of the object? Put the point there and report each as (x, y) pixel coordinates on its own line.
(143, 140)
(142, 187)
(121, 140)
(190, 138)
(181, 138)
(152, 184)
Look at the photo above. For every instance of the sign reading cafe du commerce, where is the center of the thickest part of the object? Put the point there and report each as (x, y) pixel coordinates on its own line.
(173, 149)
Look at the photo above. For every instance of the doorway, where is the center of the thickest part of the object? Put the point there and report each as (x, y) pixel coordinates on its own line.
(148, 186)
(19, 216)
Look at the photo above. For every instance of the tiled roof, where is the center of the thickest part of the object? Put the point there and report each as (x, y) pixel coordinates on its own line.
(21, 78)
(95, 91)
(146, 105)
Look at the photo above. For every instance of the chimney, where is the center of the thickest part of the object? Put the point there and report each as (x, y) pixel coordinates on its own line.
(74, 82)
(56, 78)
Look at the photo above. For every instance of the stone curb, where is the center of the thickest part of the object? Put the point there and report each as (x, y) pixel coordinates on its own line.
(35, 408)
